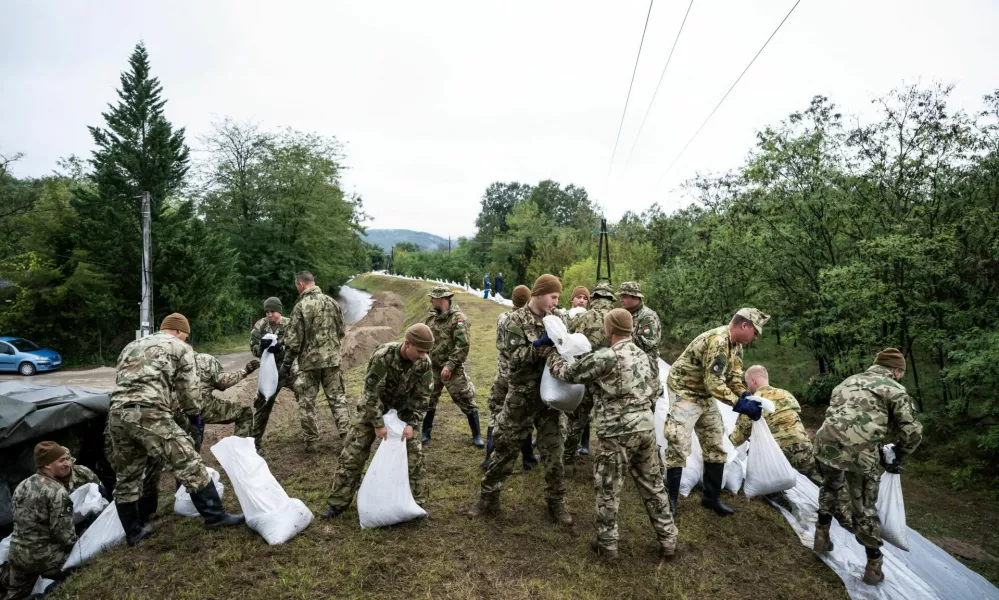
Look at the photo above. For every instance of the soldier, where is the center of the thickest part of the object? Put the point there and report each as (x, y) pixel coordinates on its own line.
(709, 369)
(521, 295)
(214, 410)
(784, 422)
(79, 476)
(648, 329)
(43, 524)
(861, 412)
(526, 345)
(313, 339)
(452, 332)
(621, 381)
(590, 324)
(399, 376)
(580, 297)
(154, 374)
(273, 323)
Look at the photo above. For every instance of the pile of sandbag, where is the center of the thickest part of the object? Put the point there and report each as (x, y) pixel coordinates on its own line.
(385, 497)
(559, 394)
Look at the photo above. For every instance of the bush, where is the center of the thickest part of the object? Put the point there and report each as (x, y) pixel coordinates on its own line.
(820, 387)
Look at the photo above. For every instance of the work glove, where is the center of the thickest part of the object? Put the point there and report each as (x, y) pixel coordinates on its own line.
(264, 344)
(276, 347)
(543, 341)
(750, 408)
(252, 366)
(285, 372)
(197, 423)
(894, 467)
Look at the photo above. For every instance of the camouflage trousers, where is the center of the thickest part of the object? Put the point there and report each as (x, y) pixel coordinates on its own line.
(522, 411)
(693, 414)
(262, 408)
(497, 394)
(636, 454)
(18, 582)
(459, 387)
(576, 424)
(847, 496)
(143, 437)
(356, 449)
(801, 455)
(306, 386)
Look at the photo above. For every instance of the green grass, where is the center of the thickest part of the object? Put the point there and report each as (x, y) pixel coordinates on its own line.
(230, 344)
(518, 554)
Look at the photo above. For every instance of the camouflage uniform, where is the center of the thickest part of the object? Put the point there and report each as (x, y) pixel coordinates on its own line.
(155, 375)
(313, 339)
(590, 324)
(709, 369)
(523, 410)
(622, 383)
(648, 330)
(43, 534)
(451, 331)
(78, 477)
(497, 394)
(262, 406)
(391, 382)
(785, 425)
(216, 411)
(861, 412)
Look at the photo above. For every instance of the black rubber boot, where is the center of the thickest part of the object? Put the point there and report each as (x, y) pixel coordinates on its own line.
(489, 449)
(527, 452)
(473, 424)
(712, 487)
(209, 504)
(147, 508)
(128, 514)
(584, 444)
(673, 477)
(428, 426)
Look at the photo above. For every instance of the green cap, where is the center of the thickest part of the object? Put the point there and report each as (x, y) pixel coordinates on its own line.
(630, 288)
(604, 290)
(756, 316)
(440, 291)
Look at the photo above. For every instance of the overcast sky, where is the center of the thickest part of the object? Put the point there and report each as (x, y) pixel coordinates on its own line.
(435, 100)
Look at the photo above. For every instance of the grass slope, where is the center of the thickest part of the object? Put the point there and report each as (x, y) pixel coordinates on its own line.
(518, 554)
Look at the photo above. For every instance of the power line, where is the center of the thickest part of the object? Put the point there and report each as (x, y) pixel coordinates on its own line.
(627, 99)
(661, 76)
(696, 133)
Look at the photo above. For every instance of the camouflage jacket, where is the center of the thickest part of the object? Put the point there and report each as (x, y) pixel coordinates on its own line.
(784, 422)
(315, 332)
(451, 331)
(394, 382)
(262, 328)
(861, 412)
(710, 367)
(158, 372)
(211, 377)
(591, 323)
(648, 332)
(77, 477)
(518, 333)
(622, 383)
(43, 524)
(501, 360)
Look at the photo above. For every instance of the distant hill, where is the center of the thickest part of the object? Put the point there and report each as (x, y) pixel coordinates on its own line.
(386, 238)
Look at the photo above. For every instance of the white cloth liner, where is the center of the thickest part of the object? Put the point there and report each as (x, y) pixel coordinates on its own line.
(385, 497)
(559, 394)
(87, 502)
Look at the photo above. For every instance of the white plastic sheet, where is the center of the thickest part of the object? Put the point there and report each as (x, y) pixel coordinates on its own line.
(182, 503)
(87, 502)
(891, 507)
(385, 497)
(268, 509)
(267, 378)
(767, 469)
(105, 532)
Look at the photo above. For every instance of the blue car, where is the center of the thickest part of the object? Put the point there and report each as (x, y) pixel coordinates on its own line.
(26, 357)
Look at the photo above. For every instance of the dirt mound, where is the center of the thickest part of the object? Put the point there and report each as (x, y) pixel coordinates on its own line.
(388, 299)
(361, 342)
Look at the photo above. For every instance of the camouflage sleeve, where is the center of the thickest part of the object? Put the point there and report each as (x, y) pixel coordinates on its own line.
(374, 385)
(85, 475)
(715, 361)
(517, 347)
(500, 321)
(743, 427)
(294, 336)
(341, 329)
(186, 384)
(223, 380)
(256, 334)
(61, 518)
(735, 382)
(420, 400)
(910, 430)
(647, 335)
(459, 335)
(587, 369)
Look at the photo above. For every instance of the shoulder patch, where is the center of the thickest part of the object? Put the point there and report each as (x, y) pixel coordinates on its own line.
(718, 364)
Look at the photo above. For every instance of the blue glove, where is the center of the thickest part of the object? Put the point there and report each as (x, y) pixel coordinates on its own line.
(750, 408)
(265, 344)
(544, 340)
(197, 423)
(276, 347)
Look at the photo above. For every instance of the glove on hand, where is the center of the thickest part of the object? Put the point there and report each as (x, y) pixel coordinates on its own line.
(750, 408)
(544, 340)
(265, 344)
(284, 372)
(276, 348)
(252, 366)
(197, 423)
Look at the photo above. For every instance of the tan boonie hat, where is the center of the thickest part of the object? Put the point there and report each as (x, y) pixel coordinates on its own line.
(756, 316)
(420, 336)
(440, 291)
(604, 290)
(630, 288)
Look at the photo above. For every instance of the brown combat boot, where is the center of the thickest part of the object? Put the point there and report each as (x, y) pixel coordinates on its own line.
(667, 552)
(609, 553)
(487, 505)
(822, 542)
(570, 470)
(558, 514)
(873, 574)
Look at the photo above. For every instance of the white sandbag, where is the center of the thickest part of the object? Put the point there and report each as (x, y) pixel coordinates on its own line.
(560, 395)
(767, 469)
(576, 311)
(267, 376)
(268, 509)
(891, 507)
(385, 497)
(41, 585)
(735, 470)
(105, 532)
(569, 345)
(182, 503)
(694, 469)
(659, 419)
(87, 502)
(5, 548)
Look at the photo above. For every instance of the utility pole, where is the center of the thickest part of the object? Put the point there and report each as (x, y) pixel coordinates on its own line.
(146, 303)
(449, 244)
(603, 251)
(391, 259)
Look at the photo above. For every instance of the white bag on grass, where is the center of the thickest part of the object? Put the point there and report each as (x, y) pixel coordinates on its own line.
(182, 503)
(105, 532)
(767, 469)
(267, 377)
(87, 502)
(659, 419)
(891, 508)
(268, 509)
(385, 497)
(560, 395)
(694, 469)
(735, 470)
